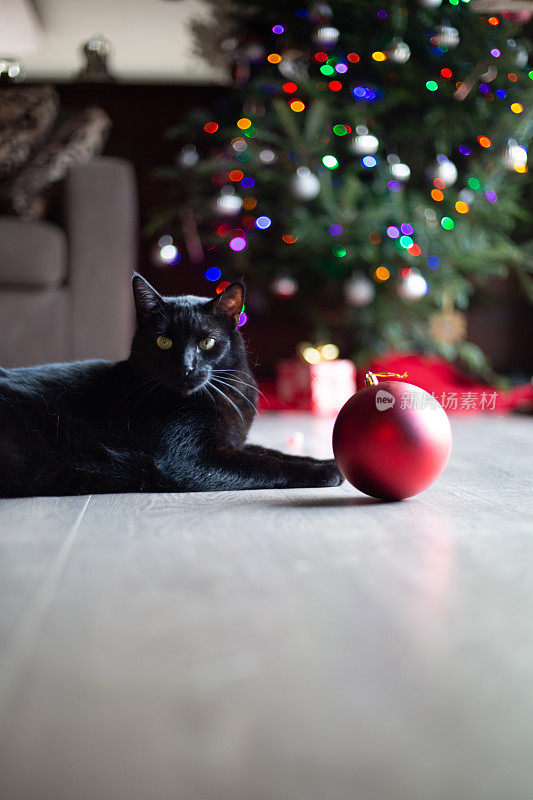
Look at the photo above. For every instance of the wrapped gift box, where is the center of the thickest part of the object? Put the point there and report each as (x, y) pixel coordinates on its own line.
(322, 388)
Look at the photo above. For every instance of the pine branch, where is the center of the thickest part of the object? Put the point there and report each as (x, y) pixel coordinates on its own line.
(286, 117)
(317, 116)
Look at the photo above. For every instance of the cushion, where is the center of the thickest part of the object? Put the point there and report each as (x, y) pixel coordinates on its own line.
(35, 327)
(27, 114)
(32, 254)
(75, 140)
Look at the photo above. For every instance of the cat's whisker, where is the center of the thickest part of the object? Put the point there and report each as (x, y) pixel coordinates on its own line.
(240, 380)
(234, 389)
(232, 377)
(208, 393)
(232, 380)
(248, 385)
(240, 371)
(233, 372)
(212, 385)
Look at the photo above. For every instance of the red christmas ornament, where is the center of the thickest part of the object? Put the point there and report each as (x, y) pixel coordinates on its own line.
(391, 440)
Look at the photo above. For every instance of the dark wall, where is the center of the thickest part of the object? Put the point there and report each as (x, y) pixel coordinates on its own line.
(141, 115)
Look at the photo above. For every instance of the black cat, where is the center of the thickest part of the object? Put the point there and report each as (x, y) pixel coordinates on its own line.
(173, 417)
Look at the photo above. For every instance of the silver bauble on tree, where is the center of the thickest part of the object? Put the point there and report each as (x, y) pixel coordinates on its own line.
(445, 36)
(429, 3)
(268, 156)
(412, 287)
(397, 169)
(398, 51)
(305, 185)
(521, 57)
(188, 156)
(294, 64)
(520, 53)
(326, 36)
(228, 203)
(284, 286)
(364, 144)
(444, 170)
(359, 291)
(400, 171)
(165, 253)
(515, 156)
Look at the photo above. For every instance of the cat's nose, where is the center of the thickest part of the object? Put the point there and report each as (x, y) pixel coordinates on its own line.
(187, 371)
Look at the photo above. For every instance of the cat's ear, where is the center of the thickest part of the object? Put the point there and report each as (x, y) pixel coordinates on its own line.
(229, 303)
(147, 300)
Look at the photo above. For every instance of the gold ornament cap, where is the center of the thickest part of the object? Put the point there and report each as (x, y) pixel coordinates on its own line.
(371, 378)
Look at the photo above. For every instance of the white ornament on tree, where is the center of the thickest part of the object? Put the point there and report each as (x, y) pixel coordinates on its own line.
(359, 291)
(294, 64)
(397, 169)
(268, 156)
(515, 156)
(444, 170)
(228, 202)
(445, 36)
(305, 185)
(366, 144)
(521, 57)
(326, 36)
(399, 52)
(188, 156)
(284, 286)
(519, 52)
(413, 287)
(165, 253)
(429, 3)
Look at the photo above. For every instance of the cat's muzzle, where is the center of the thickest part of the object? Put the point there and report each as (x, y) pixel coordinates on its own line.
(189, 384)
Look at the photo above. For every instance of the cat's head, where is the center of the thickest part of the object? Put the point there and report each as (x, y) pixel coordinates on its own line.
(181, 340)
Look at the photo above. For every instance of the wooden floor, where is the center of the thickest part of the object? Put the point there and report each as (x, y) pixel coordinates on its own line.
(275, 645)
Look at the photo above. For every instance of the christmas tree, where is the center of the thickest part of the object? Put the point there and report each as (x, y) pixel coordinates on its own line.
(366, 169)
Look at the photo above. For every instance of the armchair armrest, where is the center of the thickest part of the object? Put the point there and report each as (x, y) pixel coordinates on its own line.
(100, 212)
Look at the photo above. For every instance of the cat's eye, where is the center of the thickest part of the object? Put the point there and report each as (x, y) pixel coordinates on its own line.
(207, 344)
(163, 342)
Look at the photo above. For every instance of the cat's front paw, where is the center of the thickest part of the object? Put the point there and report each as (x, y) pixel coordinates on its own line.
(325, 473)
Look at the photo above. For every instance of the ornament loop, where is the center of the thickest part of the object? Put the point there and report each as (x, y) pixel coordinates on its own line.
(371, 378)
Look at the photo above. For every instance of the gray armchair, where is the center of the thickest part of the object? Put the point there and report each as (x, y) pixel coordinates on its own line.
(65, 291)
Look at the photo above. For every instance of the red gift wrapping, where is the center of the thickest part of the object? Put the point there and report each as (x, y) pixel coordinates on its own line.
(322, 388)
(456, 391)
